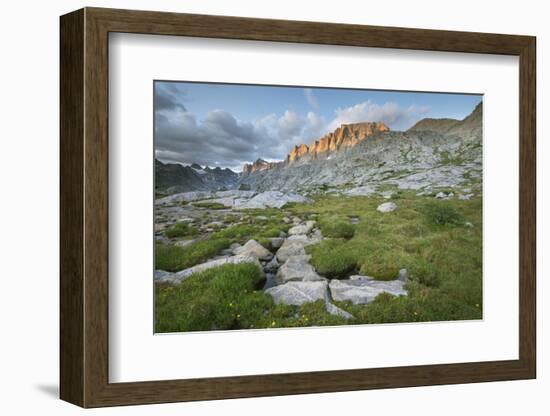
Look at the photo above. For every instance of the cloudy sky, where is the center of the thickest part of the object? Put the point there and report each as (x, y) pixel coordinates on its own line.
(227, 125)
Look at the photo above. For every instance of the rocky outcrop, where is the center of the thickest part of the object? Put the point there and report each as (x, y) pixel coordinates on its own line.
(177, 277)
(289, 249)
(269, 199)
(297, 268)
(302, 229)
(297, 152)
(235, 199)
(298, 293)
(347, 135)
(434, 154)
(363, 291)
(387, 207)
(258, 165)
(253, 249)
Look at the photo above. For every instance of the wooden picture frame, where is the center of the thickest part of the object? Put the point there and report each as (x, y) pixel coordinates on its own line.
(84, 207)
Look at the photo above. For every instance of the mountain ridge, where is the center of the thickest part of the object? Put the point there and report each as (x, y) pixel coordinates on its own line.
(347, 135)
(429, 154)
(174, 177)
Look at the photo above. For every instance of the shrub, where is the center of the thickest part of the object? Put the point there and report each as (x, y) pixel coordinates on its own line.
(244, 187)
(181, 229)
(173, 258)
(441, 213)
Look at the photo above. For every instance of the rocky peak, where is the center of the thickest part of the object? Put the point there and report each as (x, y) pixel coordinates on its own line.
(347, 135)
(259, 164)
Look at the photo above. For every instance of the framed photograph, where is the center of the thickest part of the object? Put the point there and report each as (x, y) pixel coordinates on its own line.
(255, 207)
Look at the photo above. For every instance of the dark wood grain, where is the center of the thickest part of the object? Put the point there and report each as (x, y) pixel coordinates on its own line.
(71, 100)
(84, 207)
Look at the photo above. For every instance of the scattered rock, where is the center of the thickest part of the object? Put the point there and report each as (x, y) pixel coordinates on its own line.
(444, 195)
(234, 246)
(298, 293)
(387, 207)
(288, 249)
(361, 191)
(269, 281)
(215, 224)
(269, 199)
(254, 249)
(305, 240)
(235, 193)
(261, 218)
(364, 291)
(184, 243)
(297, 268)
(162, 276)
(286, 220)
(301, 228)
(468, 224)
(272, 266)
(360, 277)
(403, 275)
(465, 197)
(226, 202)
(335, 310)
(277, 242)
(184, 274)
(183, 197)
(162, 239)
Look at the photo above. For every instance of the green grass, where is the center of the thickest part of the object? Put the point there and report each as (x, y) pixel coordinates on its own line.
(447, 159)
(174, 258)
(427, 237)
(262, 231)
(443, 213)
(214, 299)
(337, 228)
(226, 298)
(331, 259)
(181, 229)
(210, 205)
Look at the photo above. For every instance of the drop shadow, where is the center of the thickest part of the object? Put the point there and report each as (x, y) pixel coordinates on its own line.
(51, 390)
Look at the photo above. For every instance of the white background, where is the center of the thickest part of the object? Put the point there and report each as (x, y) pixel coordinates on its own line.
(29, 220)
(136, 355)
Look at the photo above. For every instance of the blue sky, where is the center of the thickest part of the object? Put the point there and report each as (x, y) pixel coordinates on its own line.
(229, 124)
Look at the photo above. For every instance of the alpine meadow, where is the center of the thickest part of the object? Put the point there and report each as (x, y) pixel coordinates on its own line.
(281, 207)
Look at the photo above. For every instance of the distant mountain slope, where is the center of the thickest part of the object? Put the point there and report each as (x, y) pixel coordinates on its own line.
(173, 177)
(470, 126)
(433, 153)
(438, 125)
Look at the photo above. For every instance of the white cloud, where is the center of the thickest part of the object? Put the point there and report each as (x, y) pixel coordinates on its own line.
(390, 113)
(221, 139)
